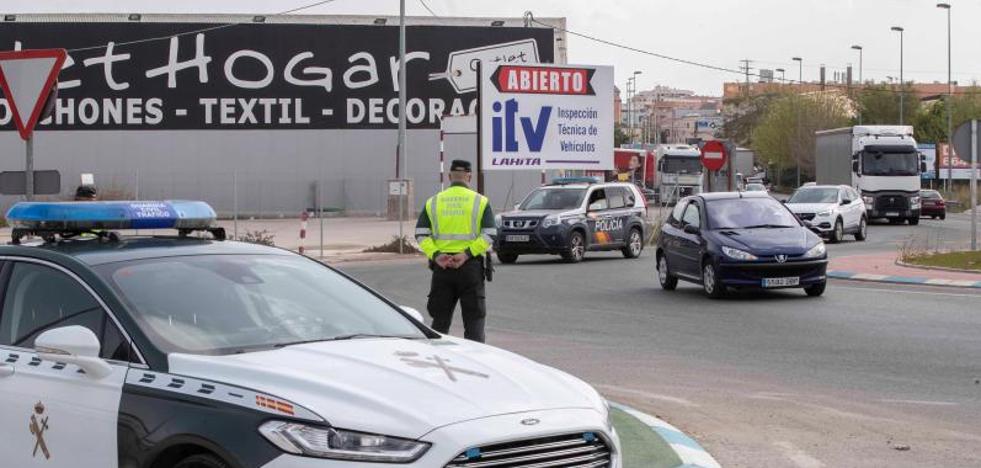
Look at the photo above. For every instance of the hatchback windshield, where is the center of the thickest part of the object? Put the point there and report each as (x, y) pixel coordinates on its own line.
(554, 199)
(749, 213)
(219, 304)
(815, 195)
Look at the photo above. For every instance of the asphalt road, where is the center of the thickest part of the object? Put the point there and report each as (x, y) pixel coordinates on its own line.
(867, 375)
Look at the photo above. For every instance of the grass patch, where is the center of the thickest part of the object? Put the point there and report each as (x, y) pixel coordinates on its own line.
(958, 200)
(393, 247)
(965, 260)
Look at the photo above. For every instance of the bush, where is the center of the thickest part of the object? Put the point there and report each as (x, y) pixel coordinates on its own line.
(262, 237)
(393, 246)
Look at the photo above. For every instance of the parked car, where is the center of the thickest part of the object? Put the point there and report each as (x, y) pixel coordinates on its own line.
(932, 204)
(569, 219)
(832, 210)
(755, 187)
(739, 240)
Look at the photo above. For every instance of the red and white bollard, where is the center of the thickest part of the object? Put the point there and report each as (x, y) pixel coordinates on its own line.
(442, 155)
(304, 217)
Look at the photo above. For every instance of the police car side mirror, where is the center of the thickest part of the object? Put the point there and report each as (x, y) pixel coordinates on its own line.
(517, 206)
(413, 313)
(73, 345)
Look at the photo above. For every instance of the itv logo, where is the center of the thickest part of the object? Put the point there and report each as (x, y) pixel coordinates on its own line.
(504, 131)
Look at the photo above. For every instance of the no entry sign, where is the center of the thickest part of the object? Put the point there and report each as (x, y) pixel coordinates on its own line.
(714, 155)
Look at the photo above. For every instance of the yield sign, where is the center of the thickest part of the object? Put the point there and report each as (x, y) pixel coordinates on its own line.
(27, 77)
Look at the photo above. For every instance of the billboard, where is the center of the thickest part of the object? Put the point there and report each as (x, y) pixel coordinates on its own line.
(546, 117)
(206, 76)
(953, 167)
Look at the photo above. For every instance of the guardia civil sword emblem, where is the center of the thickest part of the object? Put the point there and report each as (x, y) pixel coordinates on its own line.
(38, 425)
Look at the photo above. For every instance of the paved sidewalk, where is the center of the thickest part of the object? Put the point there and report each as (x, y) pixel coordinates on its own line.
(882, 267)
(345, 239)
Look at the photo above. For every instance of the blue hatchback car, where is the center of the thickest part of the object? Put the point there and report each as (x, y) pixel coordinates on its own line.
(739, 240)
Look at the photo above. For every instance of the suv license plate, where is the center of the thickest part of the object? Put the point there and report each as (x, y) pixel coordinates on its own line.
(781, 282)
(892, 214)
(517, 238)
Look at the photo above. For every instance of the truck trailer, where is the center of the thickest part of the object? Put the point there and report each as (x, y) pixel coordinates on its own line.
(880, 161)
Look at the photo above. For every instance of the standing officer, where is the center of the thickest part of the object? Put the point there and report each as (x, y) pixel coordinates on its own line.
(455, 231)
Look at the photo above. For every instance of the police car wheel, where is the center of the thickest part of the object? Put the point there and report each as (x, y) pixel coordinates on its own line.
(507, 258)
(635, 244)
(202, 461)
(576, 249)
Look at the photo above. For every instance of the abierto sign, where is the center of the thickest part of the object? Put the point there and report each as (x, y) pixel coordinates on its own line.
(546, 117)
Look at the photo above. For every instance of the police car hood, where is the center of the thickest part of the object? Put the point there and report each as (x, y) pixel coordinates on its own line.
(534, 213)
(397, 387)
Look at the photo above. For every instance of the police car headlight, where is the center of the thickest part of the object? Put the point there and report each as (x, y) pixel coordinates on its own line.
(498, 221)
(737, 254)
(817, 251)
(549, 221)
(338, 444)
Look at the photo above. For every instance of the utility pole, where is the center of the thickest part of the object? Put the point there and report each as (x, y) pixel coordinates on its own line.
(403, 170)
(745, 68)
(948, 105)
(800, 82)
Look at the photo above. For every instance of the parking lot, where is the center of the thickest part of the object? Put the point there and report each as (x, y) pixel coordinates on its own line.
(867, 375)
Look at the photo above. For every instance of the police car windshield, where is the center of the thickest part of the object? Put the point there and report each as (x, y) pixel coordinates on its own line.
(222, 304)
(554, 199)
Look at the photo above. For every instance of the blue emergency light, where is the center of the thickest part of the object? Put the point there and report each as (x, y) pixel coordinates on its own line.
(88, 216)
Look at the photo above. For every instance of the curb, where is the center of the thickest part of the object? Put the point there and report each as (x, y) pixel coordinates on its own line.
(855, 276)
(936, 268)
(692, 454)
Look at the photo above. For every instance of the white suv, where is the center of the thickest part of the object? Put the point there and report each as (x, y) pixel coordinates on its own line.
(832, 210)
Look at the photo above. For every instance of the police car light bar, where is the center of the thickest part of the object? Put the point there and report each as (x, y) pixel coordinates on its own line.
(75, 217)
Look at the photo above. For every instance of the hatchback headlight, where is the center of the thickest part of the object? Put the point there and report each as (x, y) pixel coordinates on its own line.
(824, 213)
(737, 254)
(817, 251)
(338, 444)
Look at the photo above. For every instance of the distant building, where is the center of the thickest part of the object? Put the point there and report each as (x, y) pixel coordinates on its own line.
(671, 115)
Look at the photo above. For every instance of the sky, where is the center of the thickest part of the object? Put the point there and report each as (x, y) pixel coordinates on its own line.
(716, 32)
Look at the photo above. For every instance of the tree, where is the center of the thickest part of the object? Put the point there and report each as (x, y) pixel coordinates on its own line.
(785, 134)
(930, 124)
(743, 115)
(619, 136)
(879, 105)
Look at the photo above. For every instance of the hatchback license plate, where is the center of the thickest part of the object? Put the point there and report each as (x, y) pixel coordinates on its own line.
(518, 238)
(781, 282)
(892, 214)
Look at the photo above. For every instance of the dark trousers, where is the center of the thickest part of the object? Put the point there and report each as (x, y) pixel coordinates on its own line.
(464, 284)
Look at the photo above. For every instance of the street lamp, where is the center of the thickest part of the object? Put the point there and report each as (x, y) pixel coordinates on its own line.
(902, 91)
(800, 80)
(950, 93)
(859, 49)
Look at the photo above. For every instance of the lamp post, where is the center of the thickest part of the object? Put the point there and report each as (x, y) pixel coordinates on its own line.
(800, 83)
(630, 110)
(902, 91)
(401, 157)
(859, 49)
(950, 93)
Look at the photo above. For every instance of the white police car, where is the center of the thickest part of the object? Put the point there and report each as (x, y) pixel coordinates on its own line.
(190, 351)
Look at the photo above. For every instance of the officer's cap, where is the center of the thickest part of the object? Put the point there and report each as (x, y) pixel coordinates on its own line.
(460, 165)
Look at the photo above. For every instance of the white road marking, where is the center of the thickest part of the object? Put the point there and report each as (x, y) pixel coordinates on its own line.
(799, 457)
(921, 402)
(653, 396)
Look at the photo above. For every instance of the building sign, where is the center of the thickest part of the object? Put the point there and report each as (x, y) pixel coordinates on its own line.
(546, 117)
(265, 76)
(952, 167)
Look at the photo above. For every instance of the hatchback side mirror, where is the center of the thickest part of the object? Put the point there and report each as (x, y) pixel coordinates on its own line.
(846, 202)
(691, 229)
(73, 345)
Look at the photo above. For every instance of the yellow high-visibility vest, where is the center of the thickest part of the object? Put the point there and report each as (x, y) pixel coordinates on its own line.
(454, 216)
